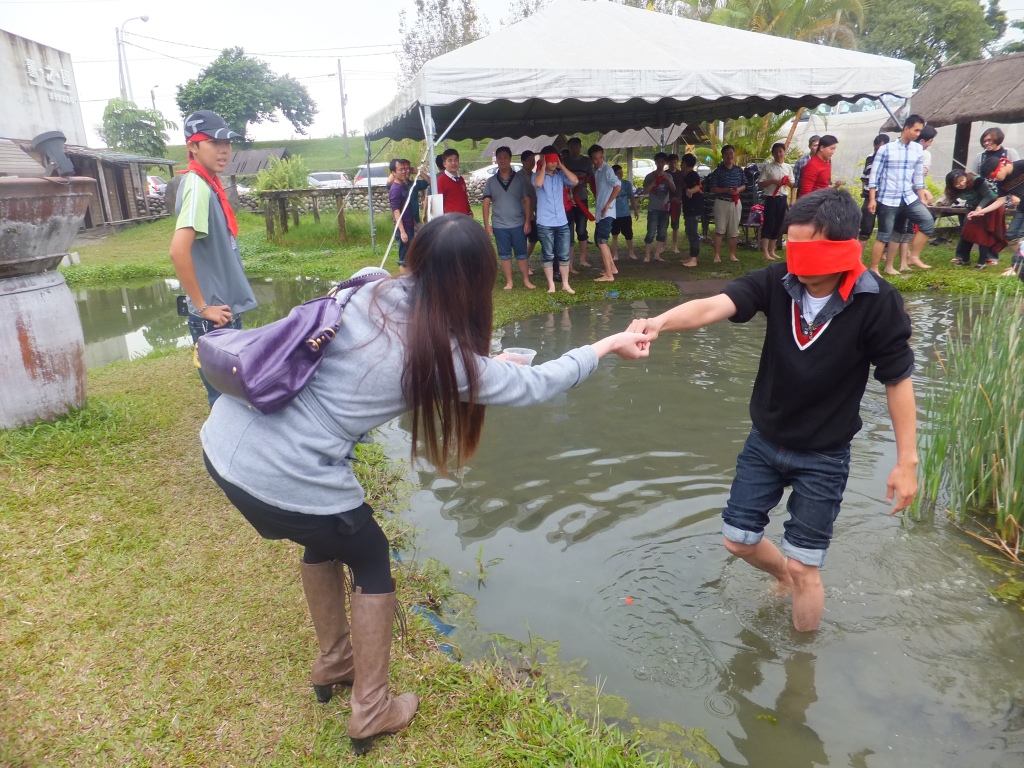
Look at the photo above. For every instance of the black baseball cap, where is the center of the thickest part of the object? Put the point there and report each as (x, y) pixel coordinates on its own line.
(209, 123)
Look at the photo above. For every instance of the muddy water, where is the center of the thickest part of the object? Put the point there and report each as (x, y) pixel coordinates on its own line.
(604, 505)
(125, 323)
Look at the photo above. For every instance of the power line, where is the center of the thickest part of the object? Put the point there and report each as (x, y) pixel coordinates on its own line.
(300, 53)
(160, 53)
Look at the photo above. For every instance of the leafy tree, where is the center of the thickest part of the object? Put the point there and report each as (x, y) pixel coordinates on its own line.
(132, 128)
(1014, 46)
(289, 173)
(831, 22)
(439, 26)
(523, 9)
(931, 33)
(243, 90)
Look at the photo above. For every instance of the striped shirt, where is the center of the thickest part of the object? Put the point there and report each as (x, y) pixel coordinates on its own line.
(726, 178)
(897, 172)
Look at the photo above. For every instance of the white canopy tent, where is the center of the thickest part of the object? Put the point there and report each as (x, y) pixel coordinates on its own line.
(599, 66)
(585, 66)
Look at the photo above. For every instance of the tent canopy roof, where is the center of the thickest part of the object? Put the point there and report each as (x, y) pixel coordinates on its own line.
(989, 90)
(561, 71)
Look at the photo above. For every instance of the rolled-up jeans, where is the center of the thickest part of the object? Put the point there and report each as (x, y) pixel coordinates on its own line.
(915, 212)
(554, 244)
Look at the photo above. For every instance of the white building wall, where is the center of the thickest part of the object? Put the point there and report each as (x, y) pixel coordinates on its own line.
(37, 91)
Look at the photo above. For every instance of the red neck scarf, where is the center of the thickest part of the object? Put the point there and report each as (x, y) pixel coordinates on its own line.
(215, 184)
(826, 257)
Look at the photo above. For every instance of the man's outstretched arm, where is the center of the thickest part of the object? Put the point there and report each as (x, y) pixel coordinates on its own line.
(686, 317)
(902, 482)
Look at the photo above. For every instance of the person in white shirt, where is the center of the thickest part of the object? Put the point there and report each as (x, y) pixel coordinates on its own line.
(776, 181)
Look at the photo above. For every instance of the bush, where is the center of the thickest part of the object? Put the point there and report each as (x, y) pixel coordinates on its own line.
(289, 173)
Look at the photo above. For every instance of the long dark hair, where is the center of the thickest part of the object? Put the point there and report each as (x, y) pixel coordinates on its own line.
(454, 267)
(952, 193)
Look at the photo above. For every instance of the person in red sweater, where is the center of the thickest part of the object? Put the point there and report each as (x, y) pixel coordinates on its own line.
(451, 186)
(817, 174)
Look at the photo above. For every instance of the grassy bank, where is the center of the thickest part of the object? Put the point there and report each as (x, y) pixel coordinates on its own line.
(146, 624)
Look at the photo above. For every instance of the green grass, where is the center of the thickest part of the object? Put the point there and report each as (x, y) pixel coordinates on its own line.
(973, 454)
(146, 624)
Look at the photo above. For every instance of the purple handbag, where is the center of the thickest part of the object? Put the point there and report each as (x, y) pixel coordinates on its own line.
(268, 366)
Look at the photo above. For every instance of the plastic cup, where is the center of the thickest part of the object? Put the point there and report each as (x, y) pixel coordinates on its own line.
(520, 355)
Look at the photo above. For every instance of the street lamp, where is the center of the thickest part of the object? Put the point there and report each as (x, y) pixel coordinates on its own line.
(122, 60)
(152, 95)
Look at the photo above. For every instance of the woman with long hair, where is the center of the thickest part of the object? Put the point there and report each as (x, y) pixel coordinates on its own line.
(418, 342)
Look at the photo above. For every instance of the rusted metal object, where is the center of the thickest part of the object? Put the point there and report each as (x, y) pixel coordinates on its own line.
(42, 352)
(38, 220)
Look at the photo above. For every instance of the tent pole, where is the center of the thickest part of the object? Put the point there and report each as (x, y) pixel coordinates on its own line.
(428, 134)
(448, 129)
(369, 198)
(899, 123)
(629, 163)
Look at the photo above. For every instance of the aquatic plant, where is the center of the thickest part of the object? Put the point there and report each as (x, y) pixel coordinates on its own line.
(973, 458)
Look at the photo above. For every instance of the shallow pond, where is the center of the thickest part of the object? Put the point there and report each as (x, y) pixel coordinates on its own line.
(604, 505)
(125, 323)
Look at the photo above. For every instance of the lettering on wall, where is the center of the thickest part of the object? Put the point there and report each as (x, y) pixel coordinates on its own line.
(57, 82)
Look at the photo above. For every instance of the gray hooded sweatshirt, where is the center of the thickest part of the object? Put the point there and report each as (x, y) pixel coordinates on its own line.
(299, 459)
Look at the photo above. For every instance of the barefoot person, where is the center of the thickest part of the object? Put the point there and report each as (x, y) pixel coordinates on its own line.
(413, 343)
(623, 224)
(658, 186)
(776, 181)
(608, 186)
(727, 182)
(507, 197)
(828, 322)
(551, 179)
(897, 186)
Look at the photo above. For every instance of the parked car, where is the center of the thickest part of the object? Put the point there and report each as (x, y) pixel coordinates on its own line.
(329, 179)
(155, 185)
(641, 167)
(485, 173)
(378, 175)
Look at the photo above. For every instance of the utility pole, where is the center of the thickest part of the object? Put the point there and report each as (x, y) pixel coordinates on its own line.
(152, 96)
(120, 64)
(344, 122)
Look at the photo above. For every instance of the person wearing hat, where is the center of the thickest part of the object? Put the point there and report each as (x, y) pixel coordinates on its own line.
(829, 321)
(204, 249)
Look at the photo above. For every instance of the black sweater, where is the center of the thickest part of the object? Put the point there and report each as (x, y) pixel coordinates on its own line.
(809, 398)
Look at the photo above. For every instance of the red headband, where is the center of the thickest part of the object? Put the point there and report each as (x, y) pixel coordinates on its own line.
(1002, 162)
(826, 257)
(197, 137)
(551, 157)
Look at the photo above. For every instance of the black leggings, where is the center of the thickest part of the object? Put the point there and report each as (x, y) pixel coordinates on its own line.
(363, 546)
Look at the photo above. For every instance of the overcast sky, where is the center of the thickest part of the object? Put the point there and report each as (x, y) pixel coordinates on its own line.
(303, 38)
(306, 37)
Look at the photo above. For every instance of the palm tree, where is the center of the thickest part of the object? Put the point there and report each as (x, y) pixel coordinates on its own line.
(831, 22)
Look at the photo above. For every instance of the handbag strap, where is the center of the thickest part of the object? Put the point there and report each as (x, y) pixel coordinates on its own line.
(327, 335)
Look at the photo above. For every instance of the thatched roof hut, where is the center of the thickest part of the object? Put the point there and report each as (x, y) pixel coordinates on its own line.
(988, 90)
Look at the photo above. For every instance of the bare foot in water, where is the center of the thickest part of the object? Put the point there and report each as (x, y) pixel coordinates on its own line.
(779, 589)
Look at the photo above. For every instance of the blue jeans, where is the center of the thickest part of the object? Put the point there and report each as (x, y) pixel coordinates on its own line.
(554, 244)
(1016, 228)
(199, 327)
(916, 213)
(763, 470)
(657, 226)
(509, 242)
(603, 230)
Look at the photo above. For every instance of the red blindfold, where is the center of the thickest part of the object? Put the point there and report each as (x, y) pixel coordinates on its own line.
(550, 158)
(827, 257)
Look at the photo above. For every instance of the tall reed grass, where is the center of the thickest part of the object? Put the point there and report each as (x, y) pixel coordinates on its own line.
(973, 461)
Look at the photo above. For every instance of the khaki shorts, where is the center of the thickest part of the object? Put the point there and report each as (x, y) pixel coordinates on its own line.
(727, 218)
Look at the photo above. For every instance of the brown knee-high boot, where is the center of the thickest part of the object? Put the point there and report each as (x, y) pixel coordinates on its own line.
(324, 585)
(374, 711)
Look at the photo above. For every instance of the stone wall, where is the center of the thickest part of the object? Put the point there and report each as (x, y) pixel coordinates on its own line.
(355, 199)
